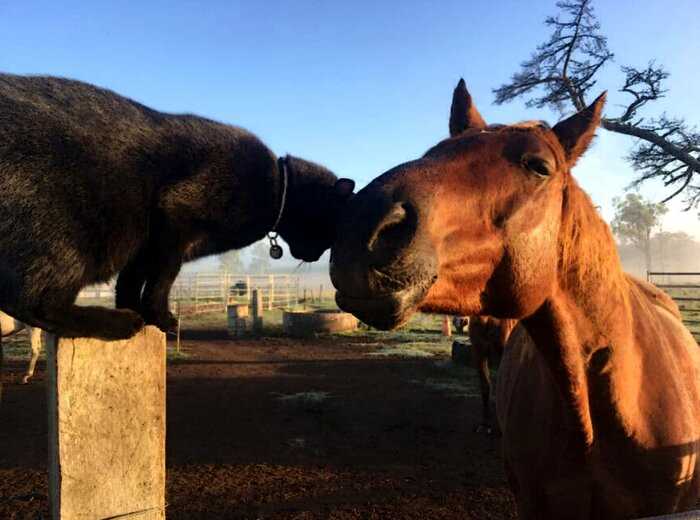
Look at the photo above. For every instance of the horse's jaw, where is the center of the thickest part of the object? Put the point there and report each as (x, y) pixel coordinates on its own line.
(384, 312)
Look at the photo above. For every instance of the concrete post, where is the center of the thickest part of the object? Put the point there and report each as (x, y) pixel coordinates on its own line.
(258, 311)
(106, 402)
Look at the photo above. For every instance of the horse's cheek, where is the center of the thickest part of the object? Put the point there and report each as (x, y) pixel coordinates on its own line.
(531, 255)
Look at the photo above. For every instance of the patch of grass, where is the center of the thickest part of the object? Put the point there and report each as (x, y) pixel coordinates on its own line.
(414, 349)
(304, 397)
(464, 387)
(173, 355)
(312, 402)
(18, 347)
(208, 320)
(401, 351)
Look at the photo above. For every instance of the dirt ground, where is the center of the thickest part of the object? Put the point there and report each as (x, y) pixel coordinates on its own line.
(331, 427)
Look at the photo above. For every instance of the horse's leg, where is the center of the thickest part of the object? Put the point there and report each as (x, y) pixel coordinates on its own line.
(35, 341)
(482, 367)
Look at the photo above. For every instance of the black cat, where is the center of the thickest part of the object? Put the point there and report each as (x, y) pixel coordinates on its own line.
(92, 183)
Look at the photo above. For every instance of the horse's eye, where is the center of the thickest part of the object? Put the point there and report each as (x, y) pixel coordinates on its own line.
(537, 165)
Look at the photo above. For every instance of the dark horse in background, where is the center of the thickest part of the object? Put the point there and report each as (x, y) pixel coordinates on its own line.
(599, 389)
(488, 337)
(93, 184)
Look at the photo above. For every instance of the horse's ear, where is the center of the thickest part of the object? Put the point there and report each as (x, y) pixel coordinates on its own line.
(344, 187)
(463, 114)
(575, 133)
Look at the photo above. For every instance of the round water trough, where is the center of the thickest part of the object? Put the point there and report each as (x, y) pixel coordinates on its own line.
(306, 323)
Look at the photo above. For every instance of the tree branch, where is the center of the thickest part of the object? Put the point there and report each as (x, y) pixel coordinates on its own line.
(564, 68)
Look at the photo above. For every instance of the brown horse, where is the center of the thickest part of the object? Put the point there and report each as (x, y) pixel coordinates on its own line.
(488, 340)
(602, 389)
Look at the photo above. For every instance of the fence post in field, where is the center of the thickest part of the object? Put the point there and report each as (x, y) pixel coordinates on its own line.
(106, 412)
(222, 288)
(270, 303)
(320, 294)
(446, 326)
(258, 311)
(288, 290)
(179, 318)
(196, 292)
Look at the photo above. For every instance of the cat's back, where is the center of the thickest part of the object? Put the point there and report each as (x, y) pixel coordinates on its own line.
(74, 102)
(48, 117)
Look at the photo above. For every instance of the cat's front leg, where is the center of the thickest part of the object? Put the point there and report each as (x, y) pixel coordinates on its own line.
(162, 265)
(130, 282)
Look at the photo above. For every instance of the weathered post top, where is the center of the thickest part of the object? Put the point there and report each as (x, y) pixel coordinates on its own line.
(106, 404)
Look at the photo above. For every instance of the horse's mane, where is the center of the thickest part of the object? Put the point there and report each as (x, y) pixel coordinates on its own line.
(589, 256)
(587, 249)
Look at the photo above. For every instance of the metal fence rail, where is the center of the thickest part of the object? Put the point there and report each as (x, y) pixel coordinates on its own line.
(205, 292)
(195, 293)
(684, 288)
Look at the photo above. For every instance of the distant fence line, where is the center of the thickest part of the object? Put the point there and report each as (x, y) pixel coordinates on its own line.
(684, 288)
(204, 292)
(195, 293)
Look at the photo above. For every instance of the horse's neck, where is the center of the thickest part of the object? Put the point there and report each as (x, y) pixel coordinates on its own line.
(568, 338)
(587, 317)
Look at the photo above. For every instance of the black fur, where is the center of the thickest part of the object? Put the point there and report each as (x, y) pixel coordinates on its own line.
(92, 183)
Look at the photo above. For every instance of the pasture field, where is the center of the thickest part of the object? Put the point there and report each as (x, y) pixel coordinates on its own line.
(368, 424)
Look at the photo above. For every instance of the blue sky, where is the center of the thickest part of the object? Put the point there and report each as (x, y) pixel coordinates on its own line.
(358, 86)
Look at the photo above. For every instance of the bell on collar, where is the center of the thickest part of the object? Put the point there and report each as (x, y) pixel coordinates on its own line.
(276, 251)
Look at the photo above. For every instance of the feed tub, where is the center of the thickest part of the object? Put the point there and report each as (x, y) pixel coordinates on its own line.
(306, 323)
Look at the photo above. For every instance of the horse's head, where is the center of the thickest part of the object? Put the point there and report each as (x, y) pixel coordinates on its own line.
(314, 201)
(470, 228)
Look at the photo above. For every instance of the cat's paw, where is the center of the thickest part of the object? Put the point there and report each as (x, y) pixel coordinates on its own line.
(164, 320)
(118, 324)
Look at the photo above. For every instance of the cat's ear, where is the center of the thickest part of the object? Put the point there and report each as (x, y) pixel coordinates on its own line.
(344, 188)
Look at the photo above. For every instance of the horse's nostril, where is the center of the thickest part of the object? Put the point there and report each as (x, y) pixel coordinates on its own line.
(393, 218)
(393, 231)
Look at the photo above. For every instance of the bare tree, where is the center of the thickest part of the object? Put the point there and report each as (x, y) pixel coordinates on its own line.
(231, 262)
(260, 258)
(562, 71)
(635, 221)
